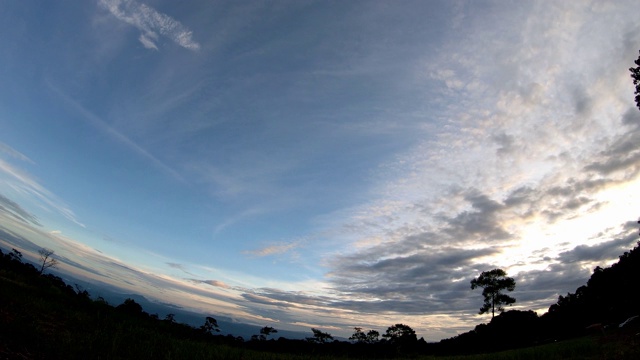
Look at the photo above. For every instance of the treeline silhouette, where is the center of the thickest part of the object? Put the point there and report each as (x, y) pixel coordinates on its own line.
(43, 317)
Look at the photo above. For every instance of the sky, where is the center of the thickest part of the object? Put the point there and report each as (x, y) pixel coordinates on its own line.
(325, 164)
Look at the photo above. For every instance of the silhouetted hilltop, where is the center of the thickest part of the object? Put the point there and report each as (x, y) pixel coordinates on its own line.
(611, 296)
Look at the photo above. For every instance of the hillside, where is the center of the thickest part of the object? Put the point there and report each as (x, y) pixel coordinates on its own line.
(41, 317)
(610, 297)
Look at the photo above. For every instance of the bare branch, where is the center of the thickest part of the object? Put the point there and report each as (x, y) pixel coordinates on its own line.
(47, 260)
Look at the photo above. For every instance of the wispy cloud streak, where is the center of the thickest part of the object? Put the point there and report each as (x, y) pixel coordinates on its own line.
(151, 23)
(274, 249)
(16, 211)
(115, 134)
(25, 183)
(4, 148)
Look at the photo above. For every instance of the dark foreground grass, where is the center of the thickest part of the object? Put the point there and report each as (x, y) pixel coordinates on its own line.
(615, 346)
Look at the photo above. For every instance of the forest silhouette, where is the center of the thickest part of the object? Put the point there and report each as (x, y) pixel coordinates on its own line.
(43, 317)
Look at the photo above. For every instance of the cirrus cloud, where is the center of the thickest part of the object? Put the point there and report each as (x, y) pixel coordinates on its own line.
(151, 23)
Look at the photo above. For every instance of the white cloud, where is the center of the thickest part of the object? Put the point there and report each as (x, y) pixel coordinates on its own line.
(148, 39)
(151, 23)
(275, 249)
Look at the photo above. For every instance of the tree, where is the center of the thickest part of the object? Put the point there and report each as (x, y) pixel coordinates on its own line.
(83, 293)
(319, 336)
(47, 260)
(493, 283)
(266, 331)
(400, 333)
(17, 255)
(370, 337)
(210, 325)
(131, 307)
(170, 318)
(635, 74)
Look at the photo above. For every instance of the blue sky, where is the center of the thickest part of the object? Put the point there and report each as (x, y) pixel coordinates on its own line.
(325, 164)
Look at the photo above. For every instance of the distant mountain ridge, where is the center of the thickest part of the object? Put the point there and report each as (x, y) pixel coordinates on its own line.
(228, 326)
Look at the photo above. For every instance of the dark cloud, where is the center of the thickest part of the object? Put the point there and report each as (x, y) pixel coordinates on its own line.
(583, 103)
(603, 251)
(14, 239)
(15, 211)
(290, 298)
(82, 267)
(622, 155)
(264, 300)
(611, 164)
(284, 305)
(215, 283)
(544, 286)
(176, 266)
(575, 187)
(576, 203)
(557, 202)
(631, 117)
(521, 196)
(505, 143)
(383, 306)
(431, 279)
(482, 221)
(180, 267)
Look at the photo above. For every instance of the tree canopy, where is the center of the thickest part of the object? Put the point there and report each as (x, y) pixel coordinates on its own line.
(210, 325)
(400, 333)
(370, 337)
(319, 336)
(130, 305)
(635, 74)
(264, 333)
(493, 283)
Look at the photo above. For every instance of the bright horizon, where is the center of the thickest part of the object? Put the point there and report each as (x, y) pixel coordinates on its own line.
(322, 164)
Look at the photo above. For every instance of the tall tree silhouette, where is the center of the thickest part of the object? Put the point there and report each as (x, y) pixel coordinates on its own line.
(493, 283)
(635, 74)
(319, 336)
(210, 325)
